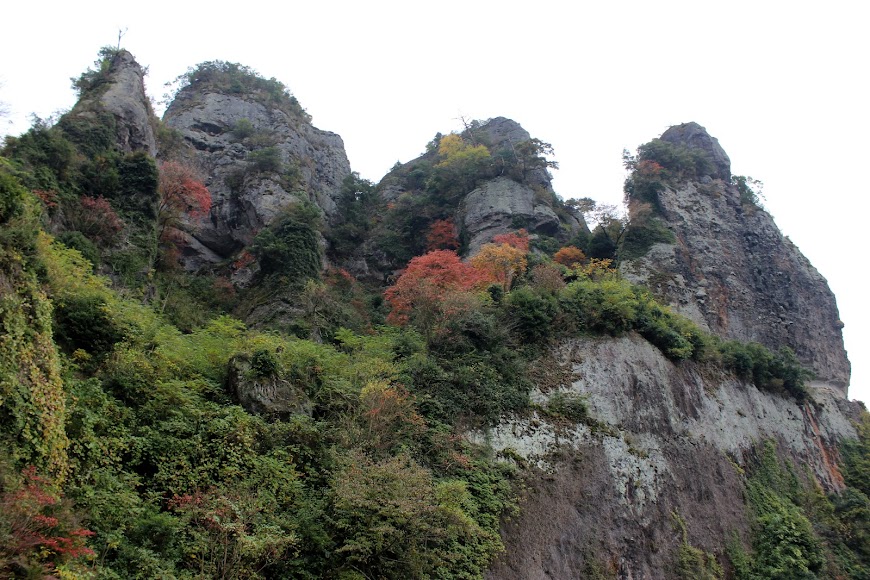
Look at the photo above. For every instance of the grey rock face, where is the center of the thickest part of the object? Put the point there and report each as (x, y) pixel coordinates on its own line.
(124, 97)
(498, 205)
(661, 439)
(732, 271)
(695, 136)
(264, 395)
(305, 163)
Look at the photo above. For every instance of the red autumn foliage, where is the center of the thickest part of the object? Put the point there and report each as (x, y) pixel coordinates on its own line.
(425, 283)
(518, 239)
(181, 192)
(95, 218)
(649, 168)
(40, 531)
(442, 236)
(48, 197)
(245, 259)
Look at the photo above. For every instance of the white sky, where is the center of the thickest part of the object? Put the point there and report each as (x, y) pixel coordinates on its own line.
(782, 85)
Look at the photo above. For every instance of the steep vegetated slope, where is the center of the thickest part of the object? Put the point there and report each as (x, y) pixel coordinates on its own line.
(241, 360)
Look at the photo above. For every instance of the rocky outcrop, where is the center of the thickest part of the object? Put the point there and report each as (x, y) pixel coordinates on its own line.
(695, 136)
(504, 204)
(498, 206)
(661, 439)
(122, 95)
(732, 271)
(263, 393)
(259, 158)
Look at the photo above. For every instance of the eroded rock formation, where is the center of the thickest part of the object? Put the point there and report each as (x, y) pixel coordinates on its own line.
(259, 157)
(731, 270)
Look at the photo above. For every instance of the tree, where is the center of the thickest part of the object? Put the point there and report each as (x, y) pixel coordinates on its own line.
(518, 239)
(420, 291)
(500, 262)
(569, 255)
(442, 236)
(181, 193)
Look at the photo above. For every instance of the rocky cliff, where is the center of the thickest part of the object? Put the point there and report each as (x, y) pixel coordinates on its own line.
(731, 270)
(259, 152)
(508, 189)
(661, 442)
(120, 91)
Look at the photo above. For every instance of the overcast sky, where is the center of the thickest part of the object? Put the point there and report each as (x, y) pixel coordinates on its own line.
(782, 85)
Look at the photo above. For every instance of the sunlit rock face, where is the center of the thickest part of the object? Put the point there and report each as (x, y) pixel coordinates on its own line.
(731, 270)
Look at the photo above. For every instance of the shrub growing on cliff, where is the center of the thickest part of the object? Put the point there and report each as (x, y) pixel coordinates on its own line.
(290, 246)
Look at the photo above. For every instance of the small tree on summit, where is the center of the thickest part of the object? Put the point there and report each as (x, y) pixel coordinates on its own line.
(181, 193)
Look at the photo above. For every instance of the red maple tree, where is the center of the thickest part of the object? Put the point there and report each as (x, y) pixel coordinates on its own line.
(181, 193)
(518, 239)
(424, 285)
(442, 236)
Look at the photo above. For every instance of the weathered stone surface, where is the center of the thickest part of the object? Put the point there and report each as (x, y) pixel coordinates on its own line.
(246, 198)
(264, 395)
(732, 271)
(124, 97)
(663, 439)
(695, 136)
(497, 206)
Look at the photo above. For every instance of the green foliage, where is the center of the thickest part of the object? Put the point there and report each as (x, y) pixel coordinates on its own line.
(532, 313)
(783, 541)
(856, 456)
(77, 241)
(242, 129)
(83, 323)
(777, 372)
(234, 78)
(693, 563)
(568, 405)
(96, 77)
(641, 235)
(676, 160)
(92, 134)
(357, 206)
(266, 160)
(290, 246)
(749, 190)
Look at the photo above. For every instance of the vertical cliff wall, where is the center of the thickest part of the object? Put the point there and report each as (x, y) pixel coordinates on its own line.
(662, 441)
(731, 270)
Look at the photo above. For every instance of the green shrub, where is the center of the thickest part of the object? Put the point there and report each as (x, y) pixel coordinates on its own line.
(83, 322)
(677, 160)
(77, 241)
(290, 246)
(568, 405)
(640, 236)
(532, 313)
(267, 160)
(242, 129)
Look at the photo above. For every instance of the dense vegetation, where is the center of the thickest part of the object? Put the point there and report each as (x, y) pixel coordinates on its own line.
(128, 443)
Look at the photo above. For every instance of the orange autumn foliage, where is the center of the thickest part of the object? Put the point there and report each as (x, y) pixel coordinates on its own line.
(501, 263)
(569, 256)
